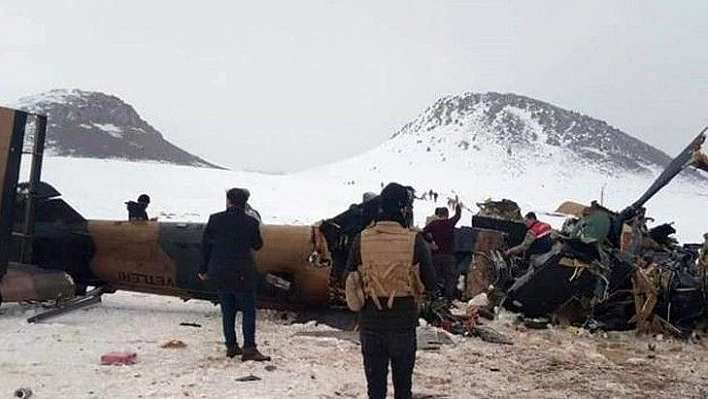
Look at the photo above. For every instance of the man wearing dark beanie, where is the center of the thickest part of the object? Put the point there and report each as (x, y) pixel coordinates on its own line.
(391, 260)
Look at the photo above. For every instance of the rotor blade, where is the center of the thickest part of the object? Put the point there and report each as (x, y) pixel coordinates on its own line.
(682, 160)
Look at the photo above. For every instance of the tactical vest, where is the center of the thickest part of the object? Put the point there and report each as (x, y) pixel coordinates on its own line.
(387, 269)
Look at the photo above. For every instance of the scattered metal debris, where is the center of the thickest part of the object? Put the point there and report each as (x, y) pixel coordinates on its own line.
(23, 393)
(248, 378)
(607, 270)
(351, 336)
(173, 344)
(427, 338)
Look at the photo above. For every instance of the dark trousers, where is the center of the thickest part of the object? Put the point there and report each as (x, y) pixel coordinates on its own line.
(540, 246)
(381, 347)
(231, 302)
(446, 270)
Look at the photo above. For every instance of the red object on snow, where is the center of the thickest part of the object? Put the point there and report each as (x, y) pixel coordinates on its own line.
(118, 358)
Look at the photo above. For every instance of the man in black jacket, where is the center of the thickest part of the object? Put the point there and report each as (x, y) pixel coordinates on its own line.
(385, 254)
(230, 237)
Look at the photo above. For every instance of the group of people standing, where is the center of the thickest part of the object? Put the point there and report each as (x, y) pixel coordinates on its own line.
(395, 267)
(395, 263)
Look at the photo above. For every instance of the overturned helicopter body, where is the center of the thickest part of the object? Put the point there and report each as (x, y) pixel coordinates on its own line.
(50, 252)
(163, 258)
(159, 258)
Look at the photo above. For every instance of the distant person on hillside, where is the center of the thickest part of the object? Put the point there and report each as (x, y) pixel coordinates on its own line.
(138, 210)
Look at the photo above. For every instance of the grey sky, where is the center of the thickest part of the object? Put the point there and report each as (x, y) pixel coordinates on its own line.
(281, 85)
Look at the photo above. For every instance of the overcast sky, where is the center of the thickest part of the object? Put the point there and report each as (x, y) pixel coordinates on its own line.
(282, 85)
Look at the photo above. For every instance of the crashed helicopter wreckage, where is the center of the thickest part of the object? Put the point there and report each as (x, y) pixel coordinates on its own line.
(162, 258)
(607, 270)
(54, 252)
(51, 253)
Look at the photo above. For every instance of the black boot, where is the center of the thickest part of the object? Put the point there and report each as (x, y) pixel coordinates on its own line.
(253, 354)
(233, 351)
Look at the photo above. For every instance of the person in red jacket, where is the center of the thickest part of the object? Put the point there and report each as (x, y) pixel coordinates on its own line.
(537, 240)
(441, 233)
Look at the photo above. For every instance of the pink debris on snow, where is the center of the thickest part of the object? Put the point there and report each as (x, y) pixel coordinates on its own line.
(112, 358)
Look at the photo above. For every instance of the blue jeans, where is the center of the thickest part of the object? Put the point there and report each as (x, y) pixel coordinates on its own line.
(231, 302)
(381, 347)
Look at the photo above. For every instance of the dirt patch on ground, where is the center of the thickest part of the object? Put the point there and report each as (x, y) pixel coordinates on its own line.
(561, 363)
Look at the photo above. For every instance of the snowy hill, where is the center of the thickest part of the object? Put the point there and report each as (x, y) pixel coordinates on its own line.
(95, 125)
(519, 130)
(497, 146)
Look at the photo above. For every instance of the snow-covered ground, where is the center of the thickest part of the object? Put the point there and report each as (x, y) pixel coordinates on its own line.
(60, 358)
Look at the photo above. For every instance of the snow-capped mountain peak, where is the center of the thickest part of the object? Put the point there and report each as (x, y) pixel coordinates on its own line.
(96, 125)
(518, 130)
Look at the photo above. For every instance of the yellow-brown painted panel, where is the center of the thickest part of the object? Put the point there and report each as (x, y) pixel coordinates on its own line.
(7, 124)
(287, 249)
(128, 255)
